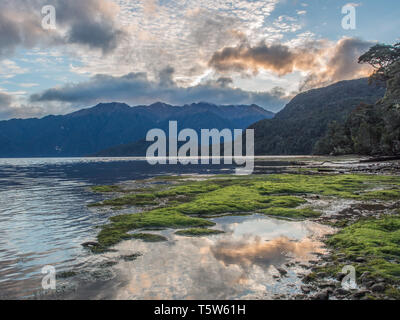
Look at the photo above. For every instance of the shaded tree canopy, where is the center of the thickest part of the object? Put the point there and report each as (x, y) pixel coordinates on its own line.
(381, 57)
(371, 129)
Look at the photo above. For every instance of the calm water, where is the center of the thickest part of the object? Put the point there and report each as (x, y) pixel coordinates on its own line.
(44, 219)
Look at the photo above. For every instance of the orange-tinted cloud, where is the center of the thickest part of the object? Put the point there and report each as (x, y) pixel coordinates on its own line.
(276, 57)
(323, 62)
(258, 252)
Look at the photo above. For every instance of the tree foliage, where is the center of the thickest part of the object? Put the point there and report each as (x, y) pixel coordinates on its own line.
(381, 57)
(372, 129)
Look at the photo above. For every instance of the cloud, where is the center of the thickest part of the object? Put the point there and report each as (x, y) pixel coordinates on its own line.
(322, 61)
(91, 23)
(5, 100)
(8, 109)
(181, 34)
(9, 69)
(136, 88)
(257, 252)
(342, 64)
(278, 58)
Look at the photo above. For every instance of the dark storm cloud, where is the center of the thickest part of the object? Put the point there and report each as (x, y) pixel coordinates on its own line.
(90, 23)
(136, 88)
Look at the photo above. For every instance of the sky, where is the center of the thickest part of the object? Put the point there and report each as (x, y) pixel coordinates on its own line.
(180, 51)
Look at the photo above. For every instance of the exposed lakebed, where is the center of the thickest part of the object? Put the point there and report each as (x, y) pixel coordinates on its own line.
(228, 237)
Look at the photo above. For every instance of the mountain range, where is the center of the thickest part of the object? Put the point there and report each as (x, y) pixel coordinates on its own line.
(88, 131)
(371, 128)
(304, 121)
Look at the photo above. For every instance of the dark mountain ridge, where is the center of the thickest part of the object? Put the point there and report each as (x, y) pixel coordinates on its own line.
(304, 121)
(88, 131)
(372, 128)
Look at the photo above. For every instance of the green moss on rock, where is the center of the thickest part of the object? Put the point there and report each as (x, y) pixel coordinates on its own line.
(275, 195)
(198, 232)
(149, 237)
(376, 240)
(106, 189)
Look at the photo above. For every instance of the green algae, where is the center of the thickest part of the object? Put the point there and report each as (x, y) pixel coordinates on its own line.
(343, 185)
(188, 190)
(106, 189)
(292, 213)
(198, 232)
(392, 194)
(376, 240)
(119, 227)
(148, 237)
(189, 202)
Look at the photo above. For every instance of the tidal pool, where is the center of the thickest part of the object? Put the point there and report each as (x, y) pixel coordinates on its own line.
(239, 264)
(44, 219)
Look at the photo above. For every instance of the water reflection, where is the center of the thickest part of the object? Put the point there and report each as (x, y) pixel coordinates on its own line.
(44, 216)
(237, 265)
(44, 219)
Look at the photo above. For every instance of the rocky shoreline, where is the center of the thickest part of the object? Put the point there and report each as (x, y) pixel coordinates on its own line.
(323, 280)
(328, 193)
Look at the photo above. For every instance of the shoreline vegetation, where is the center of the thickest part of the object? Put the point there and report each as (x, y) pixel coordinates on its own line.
(368, 233)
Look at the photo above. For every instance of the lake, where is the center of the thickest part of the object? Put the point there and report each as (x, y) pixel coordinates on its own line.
(44, 219)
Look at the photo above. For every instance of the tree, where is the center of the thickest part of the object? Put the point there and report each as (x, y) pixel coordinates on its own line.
(381, 57)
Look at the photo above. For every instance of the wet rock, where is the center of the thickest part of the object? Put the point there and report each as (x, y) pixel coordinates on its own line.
(108, 264)
(90, 244)
(360, 260)
(318, 254)
(322, 274)
(323, 295)
(341, 292)
(365, 276)
(102, 275)
(324, 285)
(309, 278)
(340, 276)
(366, 298)
(306, 289)
(379, 287)
(369, 283)
(131, 257)
(359, 294)
(282, 271)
